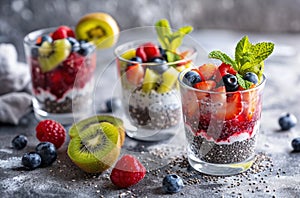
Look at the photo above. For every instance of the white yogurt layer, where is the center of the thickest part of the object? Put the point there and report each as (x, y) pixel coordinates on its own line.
(71, 93)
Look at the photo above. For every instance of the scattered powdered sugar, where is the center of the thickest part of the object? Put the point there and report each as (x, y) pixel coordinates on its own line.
(13, 162)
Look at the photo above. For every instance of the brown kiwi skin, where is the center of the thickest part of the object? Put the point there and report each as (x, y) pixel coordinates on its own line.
(97, 166)
(75, 129)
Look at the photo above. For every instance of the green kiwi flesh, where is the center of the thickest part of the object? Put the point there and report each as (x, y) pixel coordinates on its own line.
(96, 148)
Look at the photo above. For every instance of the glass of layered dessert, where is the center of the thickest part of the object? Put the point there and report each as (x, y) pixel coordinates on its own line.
(62, 69)
(222, 105)
(148, 71)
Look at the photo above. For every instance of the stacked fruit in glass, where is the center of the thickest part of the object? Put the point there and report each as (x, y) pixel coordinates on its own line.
(148, 73)
(222, 107)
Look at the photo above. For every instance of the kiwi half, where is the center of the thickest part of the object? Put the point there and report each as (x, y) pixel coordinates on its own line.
(52, 54)
(96, 148)
(80, 126)
(99, 28)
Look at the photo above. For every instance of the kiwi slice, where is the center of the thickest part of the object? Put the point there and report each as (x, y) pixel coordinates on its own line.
(77, 128)
(99, 28)
(169, 79)
(96, 148)
(52, 54)
(150, 80)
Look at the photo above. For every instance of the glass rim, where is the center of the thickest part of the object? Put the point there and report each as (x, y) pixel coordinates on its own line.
(31, 37)
(180, 77)
(120, 49)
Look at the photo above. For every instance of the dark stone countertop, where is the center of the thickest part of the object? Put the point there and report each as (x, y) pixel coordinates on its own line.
(276, 172)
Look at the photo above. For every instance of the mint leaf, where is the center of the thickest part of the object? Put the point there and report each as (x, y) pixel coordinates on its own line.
(242, 51)
(243, 83)
(261, 51)
(223, 57)
(258, 69)
(185, 30)
(163, 30)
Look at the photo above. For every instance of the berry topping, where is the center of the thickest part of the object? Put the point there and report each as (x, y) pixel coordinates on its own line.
(161, 66)
(135, 74)
(86, 48)
(51, 131)
(296, 144)
(47, 151)
(128, 171)
(136, 59)
(230, 82)
(204, 86)
(31, 160)
(191, 78)
(172, 183)
(251, 77)
(287, 121)
(151, 50)
(45, 38)
(232, 108)
(63, 32)
(207, 71)
(113, 104)
(224, 69)
(19, 142)
(141, 53)
(74, 43)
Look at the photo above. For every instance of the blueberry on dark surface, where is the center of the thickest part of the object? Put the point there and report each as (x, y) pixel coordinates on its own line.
(296, 144)
(47, 151)
(74, 43)
(31, 160)
(287, 121)
(230, 82)
(252, 77)
(86, 48)
(191, 77)
(113, 104)
(19, 142)
(172, 183)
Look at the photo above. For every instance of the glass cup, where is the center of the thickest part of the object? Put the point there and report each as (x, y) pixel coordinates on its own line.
(64, 92)
(150, 93)
(218, 143)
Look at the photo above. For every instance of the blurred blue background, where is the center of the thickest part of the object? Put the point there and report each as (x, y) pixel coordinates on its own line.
(19, 17)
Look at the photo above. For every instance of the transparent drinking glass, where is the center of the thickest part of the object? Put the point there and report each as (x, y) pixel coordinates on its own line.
(218, 143)
(64, 92)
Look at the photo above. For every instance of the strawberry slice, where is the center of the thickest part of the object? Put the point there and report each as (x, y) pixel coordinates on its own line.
(219, 96)
(141, 53)
(135, 74)
(151, 51)
(224, 69)
(208, 70)
(204, 86)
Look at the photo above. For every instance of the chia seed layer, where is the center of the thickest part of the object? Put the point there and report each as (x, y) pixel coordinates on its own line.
(154, 110)
(211, 152)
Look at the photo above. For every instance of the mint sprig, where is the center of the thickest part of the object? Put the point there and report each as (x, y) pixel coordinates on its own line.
(248, 58)
(169, 40)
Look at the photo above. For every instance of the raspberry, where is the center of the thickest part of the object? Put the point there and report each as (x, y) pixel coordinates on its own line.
(51, 131)
(63, 32)
(127, 172)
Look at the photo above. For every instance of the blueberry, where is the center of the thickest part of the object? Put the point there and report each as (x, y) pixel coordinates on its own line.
(162, 52)
(191, 78)
(113, 104)
(46, 38)
(47, 151)
(172, 183)
(296, 144)
(161, 65)
(252, 77)
(287, 121)
(74, 43)
(31, 160)
(230, 82)
(86, 48)
(19, 142)
(136, 59)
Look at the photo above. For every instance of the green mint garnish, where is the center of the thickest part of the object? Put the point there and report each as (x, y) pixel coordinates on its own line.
(248, 58)
(169, 40)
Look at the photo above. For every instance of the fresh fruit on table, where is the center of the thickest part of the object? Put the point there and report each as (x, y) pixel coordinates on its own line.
(52, 54)
(172, 183)
(99, 28)
(95, 148)
(127, 172)
(78, 127)
(19, 142)
(135, 74)
(113, 104)
(48, 153)
(296, 144)
(31, 160)
(51, 131)
(287, 121)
